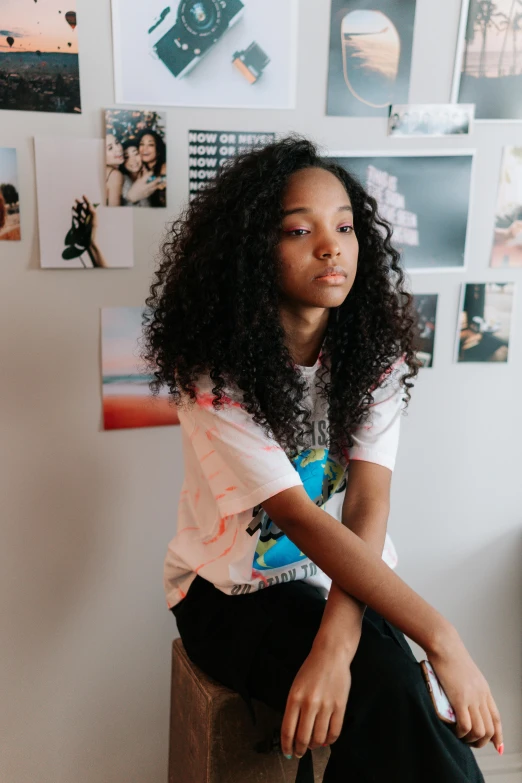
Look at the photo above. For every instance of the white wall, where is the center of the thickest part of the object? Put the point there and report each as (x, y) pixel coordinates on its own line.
(86, 515)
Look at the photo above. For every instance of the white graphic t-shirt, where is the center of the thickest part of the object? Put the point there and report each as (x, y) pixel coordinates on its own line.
(232, 466)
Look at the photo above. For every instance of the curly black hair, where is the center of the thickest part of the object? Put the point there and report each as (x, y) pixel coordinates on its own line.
(213, 307)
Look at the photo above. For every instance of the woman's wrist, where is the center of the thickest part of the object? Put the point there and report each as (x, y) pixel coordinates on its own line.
(441, 639)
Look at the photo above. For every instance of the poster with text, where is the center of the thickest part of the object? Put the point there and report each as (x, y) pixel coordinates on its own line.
(239, 53)
(39, 68)
(370, 56)
(127, 399)
(9, 196)
(485, 322)
(426, 307)
(76, 230)
(488, 64)
(135, 158)
(425, 197)
(507, 238)
(209, 150)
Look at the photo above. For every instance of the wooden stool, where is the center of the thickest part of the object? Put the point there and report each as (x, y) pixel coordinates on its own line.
(212, 738)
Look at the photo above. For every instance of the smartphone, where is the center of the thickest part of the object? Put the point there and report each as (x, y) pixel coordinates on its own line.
(440, 701)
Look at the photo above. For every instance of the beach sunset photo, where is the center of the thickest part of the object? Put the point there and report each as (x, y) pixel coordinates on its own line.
(127, 400)
(39, 68)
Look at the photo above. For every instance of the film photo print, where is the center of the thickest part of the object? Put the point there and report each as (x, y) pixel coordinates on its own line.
(76, 230)
(39, 69)
(239, 53)
(209, 150)
(488, 63)
(370, 56)
(426, 307)
(9, 196)
(135, 158)
(127, 400)
(484, 330)
(507, 237)
(425, 119)
(415, 211)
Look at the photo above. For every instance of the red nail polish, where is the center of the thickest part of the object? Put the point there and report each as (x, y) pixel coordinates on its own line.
(500, 749)
(325, 745)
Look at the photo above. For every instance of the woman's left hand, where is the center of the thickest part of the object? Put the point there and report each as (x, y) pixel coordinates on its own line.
(317, 701)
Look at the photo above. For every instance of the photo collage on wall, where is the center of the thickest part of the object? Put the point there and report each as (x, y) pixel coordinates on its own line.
(9, 196)
(488, 66)
(416, 212)
(209, 150)
(127, 402)
(136, 158)
(242, 54)
(237, 54)
(485, 322)
(39, 68)
(370, 56)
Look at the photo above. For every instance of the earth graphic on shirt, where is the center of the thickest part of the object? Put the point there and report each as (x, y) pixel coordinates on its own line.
(321, 477)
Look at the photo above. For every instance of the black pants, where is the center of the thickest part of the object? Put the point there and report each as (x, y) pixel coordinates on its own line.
(256, 643)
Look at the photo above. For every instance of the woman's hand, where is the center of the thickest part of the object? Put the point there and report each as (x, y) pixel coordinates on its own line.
(478, 719)
(142, 189)
(317, 701)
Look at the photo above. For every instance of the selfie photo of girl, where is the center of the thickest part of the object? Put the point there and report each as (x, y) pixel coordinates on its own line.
(136, 159)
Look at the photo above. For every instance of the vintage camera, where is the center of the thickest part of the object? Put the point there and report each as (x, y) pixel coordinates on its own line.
(199, 25)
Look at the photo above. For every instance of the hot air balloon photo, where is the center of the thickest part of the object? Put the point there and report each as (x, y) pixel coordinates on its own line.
(39, 67)
(370, 56)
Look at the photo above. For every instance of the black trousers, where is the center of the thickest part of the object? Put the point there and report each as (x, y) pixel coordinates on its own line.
(256, 643)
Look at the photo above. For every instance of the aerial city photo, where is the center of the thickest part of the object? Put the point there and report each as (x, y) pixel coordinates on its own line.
(39, 69)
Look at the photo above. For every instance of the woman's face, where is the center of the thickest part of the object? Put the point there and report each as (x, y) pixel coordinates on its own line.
(132, 160)
(318, 248)
(114, 151)
(147, 149)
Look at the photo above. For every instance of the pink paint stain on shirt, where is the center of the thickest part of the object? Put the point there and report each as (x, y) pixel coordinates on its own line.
(197, 495)
(259, 575)
(222, 528)
(208, 455)
(227, 550)
(217, 472)
(205, 401)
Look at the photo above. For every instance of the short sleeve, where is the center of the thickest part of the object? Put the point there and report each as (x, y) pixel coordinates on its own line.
(241, 463)
(377, 438)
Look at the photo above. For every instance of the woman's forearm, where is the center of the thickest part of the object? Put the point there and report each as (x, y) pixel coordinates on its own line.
(358, 570)
(341, 625)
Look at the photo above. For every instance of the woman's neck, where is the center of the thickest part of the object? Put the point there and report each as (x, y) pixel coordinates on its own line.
(304, 329)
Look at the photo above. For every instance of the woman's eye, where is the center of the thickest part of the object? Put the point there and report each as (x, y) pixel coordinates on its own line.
(294, 232)
(348, 229)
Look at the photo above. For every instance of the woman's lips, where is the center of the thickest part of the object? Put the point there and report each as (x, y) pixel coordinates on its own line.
(335, 275)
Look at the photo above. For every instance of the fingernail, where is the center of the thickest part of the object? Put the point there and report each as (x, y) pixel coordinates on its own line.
(501, 748)
(287, 757)
(298, 757)
(325, 745)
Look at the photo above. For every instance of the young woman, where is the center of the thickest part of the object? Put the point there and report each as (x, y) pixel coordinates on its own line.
(113, 175)
(153, 153)
(279, 321)
(137, 187)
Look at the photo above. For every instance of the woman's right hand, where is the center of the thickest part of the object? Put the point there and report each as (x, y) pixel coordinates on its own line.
(478, 719)
(142, 189)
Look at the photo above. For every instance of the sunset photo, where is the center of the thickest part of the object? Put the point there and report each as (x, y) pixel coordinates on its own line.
(127, 399)
(369, 57)
(489, 59)
(39, 69)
